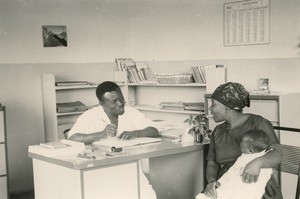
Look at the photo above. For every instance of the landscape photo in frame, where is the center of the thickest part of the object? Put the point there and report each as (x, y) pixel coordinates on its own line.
(54, 36)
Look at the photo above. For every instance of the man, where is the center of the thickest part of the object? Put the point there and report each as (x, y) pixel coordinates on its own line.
(113, 119)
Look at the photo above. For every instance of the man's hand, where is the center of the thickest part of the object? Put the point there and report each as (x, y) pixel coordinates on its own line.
(126, 135)
(251, 172)
(210, 189)
(110, 130)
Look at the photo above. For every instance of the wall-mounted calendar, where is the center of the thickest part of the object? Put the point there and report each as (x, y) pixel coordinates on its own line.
(247, 22)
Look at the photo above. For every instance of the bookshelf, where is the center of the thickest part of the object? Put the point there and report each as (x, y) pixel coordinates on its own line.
(56, 123)
(3, 156)
(147, 98)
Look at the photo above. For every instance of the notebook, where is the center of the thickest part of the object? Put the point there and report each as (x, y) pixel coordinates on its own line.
(116, 142)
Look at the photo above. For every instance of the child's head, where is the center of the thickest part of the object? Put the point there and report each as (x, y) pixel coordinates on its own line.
(254, 141)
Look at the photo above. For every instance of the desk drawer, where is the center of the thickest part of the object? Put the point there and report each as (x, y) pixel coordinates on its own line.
(266, 108)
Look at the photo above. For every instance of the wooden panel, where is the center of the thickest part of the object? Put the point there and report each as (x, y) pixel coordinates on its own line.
(3, 187)
(1, 127)
(266, 108)
(115, 182)
(2, 160)
(55, 182)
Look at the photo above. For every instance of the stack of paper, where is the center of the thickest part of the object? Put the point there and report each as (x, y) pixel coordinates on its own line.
(60, 148)
(116, 142)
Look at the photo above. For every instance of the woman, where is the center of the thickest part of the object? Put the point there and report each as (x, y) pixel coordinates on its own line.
(228, 101)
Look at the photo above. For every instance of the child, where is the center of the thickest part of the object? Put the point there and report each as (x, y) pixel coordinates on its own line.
(253, 145)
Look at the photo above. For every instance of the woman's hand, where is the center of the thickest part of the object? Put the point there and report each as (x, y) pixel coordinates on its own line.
(210, 189)
(251, 171)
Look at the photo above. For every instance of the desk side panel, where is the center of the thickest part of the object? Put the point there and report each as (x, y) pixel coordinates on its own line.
(120, 181)
(56, 182)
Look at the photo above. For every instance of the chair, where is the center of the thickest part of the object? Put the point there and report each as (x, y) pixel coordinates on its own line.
(291, 159)
(298, 184)
(65, 133)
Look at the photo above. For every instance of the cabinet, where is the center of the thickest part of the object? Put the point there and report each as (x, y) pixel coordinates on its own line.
(56, 123)
(147, 97)
(3, 156)
(282, 109)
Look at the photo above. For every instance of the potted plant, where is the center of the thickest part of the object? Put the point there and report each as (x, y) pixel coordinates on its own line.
(199, 127)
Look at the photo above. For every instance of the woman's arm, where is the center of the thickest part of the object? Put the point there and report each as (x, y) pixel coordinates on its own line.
(212, 171)
(269, 160)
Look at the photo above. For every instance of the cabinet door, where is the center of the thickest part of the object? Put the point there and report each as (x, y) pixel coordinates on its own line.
(265, 108)
(3, 187)
(2, 160)
(1, 126)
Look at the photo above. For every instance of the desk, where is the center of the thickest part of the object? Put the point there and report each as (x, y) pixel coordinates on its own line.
(175, 171)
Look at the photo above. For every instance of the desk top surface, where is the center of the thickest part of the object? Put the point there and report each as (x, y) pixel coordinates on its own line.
(130, 154)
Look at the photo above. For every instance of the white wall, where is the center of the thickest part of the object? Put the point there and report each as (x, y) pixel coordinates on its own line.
(99, 31)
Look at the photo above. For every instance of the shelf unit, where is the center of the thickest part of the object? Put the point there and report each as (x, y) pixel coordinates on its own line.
(281, 109)
(3, 156)
(56, 123)
(147, 97)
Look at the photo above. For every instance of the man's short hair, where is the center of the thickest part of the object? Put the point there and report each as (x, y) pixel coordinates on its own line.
(104, 87)
(259, 140)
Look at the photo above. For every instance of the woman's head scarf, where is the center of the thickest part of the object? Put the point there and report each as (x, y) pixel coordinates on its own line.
(232, 95)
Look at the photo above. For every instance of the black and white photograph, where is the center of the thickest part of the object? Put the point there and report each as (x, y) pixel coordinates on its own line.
(55, 36)
(149, 99)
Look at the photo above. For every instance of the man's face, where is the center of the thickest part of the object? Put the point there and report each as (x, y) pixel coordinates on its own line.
(113, 102)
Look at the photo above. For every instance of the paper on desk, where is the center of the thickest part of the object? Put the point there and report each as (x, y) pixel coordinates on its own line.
(116, 142)
(73, 149)
(169, 129)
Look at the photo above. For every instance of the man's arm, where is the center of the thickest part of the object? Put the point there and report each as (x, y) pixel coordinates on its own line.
(87, 138)
(110, 130)
(146, 132)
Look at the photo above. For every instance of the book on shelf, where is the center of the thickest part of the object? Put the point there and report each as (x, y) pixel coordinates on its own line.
(133, 74)
(123, 63)
(199, 74)
(178, 105)
(194, 106)
(66, 107)
(141, 68)
(71, 83)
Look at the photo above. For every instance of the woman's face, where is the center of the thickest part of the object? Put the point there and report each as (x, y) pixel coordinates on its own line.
(217, 110)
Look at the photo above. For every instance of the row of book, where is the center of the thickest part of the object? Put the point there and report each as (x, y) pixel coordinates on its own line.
(199, 74)
(137, 72)
(181, 106)
(67, 107)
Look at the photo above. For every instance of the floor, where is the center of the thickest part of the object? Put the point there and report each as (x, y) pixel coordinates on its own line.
(27, 195)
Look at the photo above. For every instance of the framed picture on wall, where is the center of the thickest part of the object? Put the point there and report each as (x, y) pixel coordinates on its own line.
(54, 36)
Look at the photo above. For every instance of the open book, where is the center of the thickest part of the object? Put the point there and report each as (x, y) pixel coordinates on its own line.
(116, 142)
